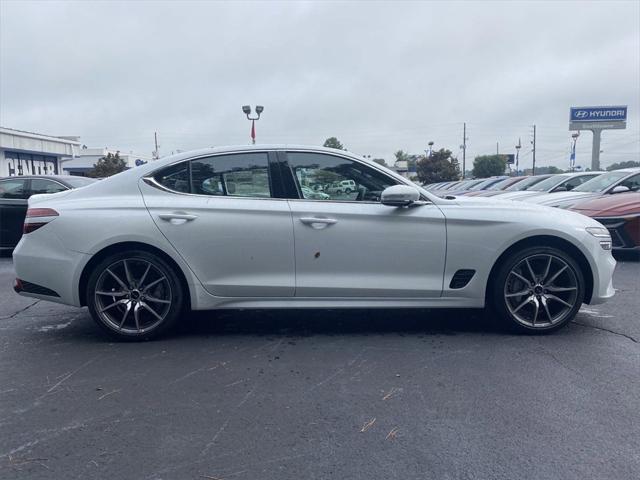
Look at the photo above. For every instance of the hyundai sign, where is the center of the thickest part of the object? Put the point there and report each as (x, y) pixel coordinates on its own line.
(598, 114)
(598, 118)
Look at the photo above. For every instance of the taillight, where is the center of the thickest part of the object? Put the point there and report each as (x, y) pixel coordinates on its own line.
(38, 217)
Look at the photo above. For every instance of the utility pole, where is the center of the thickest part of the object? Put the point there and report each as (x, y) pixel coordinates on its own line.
(497, 148)
(155, 152)
(533, 169)
(518, 147)
(464, 148)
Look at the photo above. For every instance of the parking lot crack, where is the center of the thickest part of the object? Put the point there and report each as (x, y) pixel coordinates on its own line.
(633, 339)
(20, 311)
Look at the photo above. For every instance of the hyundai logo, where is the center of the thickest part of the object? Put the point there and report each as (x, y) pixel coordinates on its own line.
(582, 114)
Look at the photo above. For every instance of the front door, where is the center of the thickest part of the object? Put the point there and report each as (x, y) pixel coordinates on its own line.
(220, 214)
(350, 245)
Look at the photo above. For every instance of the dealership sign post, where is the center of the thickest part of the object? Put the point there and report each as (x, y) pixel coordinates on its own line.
(597, 119)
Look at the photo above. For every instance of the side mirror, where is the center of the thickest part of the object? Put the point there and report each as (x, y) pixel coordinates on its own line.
(561, 188)
(399, 196)
(620, 189)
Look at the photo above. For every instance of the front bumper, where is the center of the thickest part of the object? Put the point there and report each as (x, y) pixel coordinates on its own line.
(625, 231)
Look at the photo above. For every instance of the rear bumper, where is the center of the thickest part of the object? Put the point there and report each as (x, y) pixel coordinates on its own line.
(46, 268)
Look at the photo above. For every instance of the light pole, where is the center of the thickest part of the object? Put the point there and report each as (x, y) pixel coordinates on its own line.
(247, 111)
(572, 158)
(430, 148)
(518, 147)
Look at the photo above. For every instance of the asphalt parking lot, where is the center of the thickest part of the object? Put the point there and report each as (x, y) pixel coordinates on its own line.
(321, 394)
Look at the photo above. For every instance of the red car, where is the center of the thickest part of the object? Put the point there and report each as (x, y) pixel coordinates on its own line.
(620, 214)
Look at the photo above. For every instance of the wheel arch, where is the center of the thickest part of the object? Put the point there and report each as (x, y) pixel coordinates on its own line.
(123, 247)
(545, 241)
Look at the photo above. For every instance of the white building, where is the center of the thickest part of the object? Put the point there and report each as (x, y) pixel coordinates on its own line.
(28, 153)
(86, 157)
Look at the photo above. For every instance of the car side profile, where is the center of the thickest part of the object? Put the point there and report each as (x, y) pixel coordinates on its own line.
(234, 227)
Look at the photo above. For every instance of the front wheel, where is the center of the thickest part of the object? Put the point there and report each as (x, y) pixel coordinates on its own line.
(134, 295)
(538, 289)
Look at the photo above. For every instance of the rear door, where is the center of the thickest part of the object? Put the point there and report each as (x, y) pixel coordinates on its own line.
(222, 214)
(13, 208)
(349, 244)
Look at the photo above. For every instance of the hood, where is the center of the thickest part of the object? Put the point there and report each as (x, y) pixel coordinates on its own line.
(561, 199)
(620, 204)
(524, 212)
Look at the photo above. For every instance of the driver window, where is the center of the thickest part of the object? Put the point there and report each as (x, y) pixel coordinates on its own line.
(327, 177)
(632, 183)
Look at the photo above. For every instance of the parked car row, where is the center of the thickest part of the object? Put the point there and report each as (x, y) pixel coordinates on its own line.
(612, 198)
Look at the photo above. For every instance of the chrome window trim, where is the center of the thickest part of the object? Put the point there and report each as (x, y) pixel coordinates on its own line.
(356, 160)
(152, 182)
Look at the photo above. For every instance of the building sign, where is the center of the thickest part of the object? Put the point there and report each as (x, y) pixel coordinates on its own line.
(509, 158)
(588, 118)
(598, 114)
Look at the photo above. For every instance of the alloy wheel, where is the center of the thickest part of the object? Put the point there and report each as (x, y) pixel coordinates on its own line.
(541, 290)
(132, 296)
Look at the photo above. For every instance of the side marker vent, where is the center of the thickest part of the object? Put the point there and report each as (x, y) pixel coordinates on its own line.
(461, 278)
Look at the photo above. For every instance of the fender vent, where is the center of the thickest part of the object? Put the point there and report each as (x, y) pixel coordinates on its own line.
(461, 278)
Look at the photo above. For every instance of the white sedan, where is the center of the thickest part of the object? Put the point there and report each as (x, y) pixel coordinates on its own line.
(232, 228)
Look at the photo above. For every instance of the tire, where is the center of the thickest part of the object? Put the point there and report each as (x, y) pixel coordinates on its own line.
(135, 295)
(347, 191)
(551, 298)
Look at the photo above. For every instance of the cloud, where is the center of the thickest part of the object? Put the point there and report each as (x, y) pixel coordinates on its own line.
(379, 76)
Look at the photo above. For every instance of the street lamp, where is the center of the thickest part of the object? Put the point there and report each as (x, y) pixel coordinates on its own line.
(430, 148)
(246, 109)
(518, 147)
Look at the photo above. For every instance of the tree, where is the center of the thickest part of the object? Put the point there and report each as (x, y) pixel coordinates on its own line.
(401, 156)
(379, 161)
(619, 165)
(489, 166)
(107, 166)
(440, 166)
(546, 170)
(333, 142)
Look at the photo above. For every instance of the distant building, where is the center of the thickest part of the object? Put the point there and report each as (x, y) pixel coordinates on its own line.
(29, 153)
(86, 157)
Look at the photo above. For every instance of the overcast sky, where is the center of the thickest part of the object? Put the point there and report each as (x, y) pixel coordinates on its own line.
(380, 76)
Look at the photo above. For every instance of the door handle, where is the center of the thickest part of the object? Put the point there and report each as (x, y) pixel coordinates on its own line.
(185, 217)
(318, 223)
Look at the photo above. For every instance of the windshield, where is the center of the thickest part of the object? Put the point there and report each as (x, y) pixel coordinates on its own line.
(525, 184)
(549, 183)
(501, 185)
(485, 183)
(601, 182)
(78, 182)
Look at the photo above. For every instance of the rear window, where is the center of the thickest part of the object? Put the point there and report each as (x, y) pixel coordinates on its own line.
(237, 175)
(13, 188)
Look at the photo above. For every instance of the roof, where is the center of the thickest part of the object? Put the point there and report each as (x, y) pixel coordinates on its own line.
(39, 136)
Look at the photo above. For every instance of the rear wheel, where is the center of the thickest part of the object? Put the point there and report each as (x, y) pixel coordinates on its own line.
(539, 289)
(134, 295)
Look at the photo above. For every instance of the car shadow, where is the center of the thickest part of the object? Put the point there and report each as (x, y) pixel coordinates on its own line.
(627, 256)
(309, 322)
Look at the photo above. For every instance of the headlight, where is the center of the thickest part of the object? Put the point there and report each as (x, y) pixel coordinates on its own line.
(602, 234)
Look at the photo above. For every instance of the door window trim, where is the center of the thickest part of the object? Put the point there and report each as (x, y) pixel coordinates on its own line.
(288, 171)
(150, 180)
